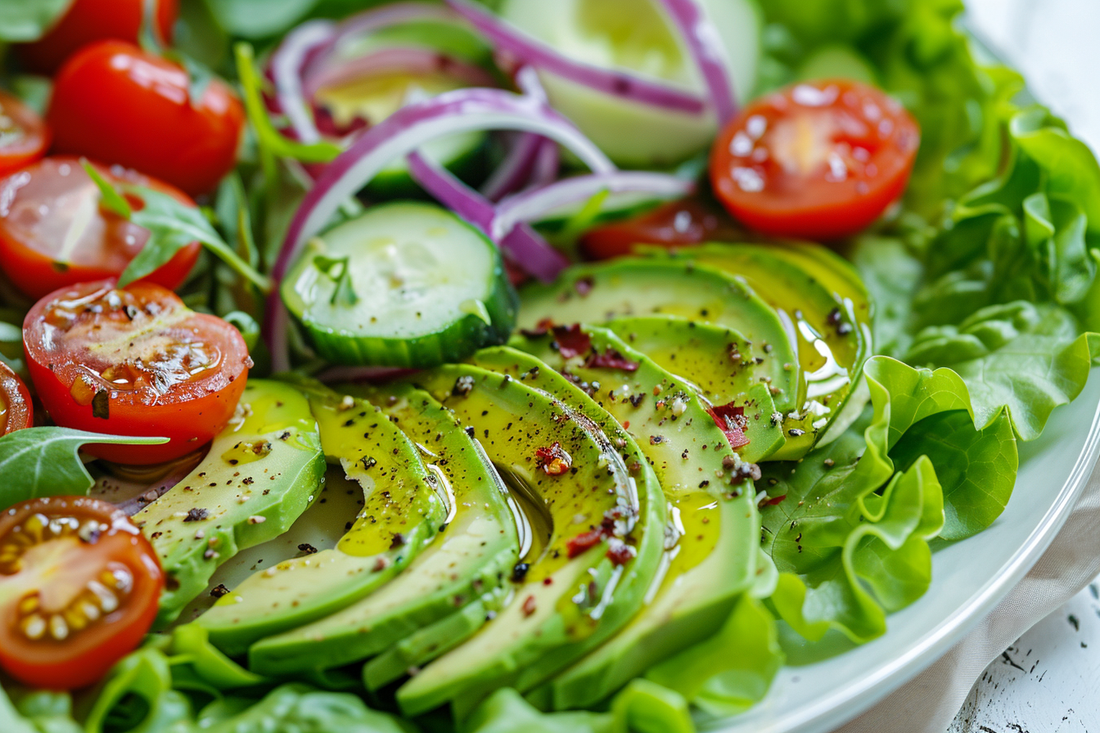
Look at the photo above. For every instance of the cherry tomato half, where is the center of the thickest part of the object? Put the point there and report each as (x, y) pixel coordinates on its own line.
(115, 103)
(675, 224)
(24, 136)
(79, 585)
(16, 408)
(817, 160)
(94, 20)
(134, 361)
(54, 233)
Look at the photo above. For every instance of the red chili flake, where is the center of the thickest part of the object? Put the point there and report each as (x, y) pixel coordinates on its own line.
(541, 329)
(554, 460)
(773, 500)
(572, 341)
(610, 359)
(529, 605)
(620, 553)
(731, 419)
(583, 286)
(583, 542)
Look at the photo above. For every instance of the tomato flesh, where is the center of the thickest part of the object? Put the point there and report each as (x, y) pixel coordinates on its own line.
(79, 586)
(24, 136)
(134, 361)
(94, 20)
(16, 410)
(674, 224)
(53, 231)
(114, 102)
(817, 160)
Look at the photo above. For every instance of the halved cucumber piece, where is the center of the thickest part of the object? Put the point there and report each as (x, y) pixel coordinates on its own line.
(642, 287)
(403, 508)
(405, 284)
(712, 504)
(587, 578)
(638, 37)
(468, 563)
(718, 364)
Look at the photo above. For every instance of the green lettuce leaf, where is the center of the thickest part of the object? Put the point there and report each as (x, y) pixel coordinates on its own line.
(29, 20)
(297, 708)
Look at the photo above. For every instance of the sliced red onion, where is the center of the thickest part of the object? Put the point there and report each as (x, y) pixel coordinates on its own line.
(536, 204)
(609, 81)
(409, 59)
(710, 56)
(547, 164)
(404, 131)
(527, 249)
(287, 63)
(514, 171)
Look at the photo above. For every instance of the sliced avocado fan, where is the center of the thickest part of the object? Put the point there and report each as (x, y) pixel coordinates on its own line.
(589, 575)
(460, 576)
(713, 537)
(402, 512)
(261, 472)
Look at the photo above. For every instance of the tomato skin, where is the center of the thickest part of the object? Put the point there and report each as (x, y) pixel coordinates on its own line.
(94, 20)
(42, 200)
(818, 160)
(85, 655)
(673, 224)
(115, 103)
(34, 135)
(134, 361)
(16, 407)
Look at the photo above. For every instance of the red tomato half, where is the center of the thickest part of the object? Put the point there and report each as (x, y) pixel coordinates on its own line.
(24, 136)
(78, 590)
(134, 361)
(53, 232)
(817, 160)
(94, 20)
(675, 224)
(115, 103)
(16, 408)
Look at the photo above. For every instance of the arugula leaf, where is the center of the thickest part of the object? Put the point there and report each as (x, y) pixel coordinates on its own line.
(259, 18)
(338, 270)
(28, 21)
(109, 198)
(1022, 356)
(47, 463)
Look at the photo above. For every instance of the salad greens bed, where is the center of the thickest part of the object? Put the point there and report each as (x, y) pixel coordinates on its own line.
(987, 301)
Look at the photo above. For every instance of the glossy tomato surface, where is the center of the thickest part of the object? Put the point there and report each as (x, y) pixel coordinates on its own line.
(16, 408)
(79, 586)
(24, 136)
(134, 361)
(674, 224)
(54, 233)
(94, 20)
(117, 104)
(818, 160)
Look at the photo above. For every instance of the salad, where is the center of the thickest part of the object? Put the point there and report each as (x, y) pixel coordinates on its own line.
(505, 365)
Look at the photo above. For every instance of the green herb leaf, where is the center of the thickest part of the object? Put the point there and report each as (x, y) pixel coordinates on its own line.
(29, 21)
(109, 198)
(47, 462)
(338, 270)
(247, 325)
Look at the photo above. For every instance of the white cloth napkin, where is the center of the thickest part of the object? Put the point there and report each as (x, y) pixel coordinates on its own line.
(929, 703)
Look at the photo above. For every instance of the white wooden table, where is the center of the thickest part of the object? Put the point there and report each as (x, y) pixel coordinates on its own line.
(1049, 681)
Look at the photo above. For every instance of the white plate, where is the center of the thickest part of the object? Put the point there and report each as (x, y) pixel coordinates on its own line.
(968, 579)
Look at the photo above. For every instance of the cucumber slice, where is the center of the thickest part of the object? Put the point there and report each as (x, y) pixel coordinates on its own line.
(638, 38)
(405, 284)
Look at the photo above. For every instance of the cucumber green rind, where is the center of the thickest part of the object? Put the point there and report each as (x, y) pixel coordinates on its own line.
(691, 459)
(557, 613)
(401, 512)
(643, 287)
(260, 474)
(469, 559)
(379, 290)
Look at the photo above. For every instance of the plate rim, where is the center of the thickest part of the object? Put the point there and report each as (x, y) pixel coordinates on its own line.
(850, 701)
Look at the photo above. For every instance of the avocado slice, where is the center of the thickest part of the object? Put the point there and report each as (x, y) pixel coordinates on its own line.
(402, 511)
(640, 287)
(590, 575)
(466, 564)
(261, 472)
(714, 517)
(830, 343)
(718, 363)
